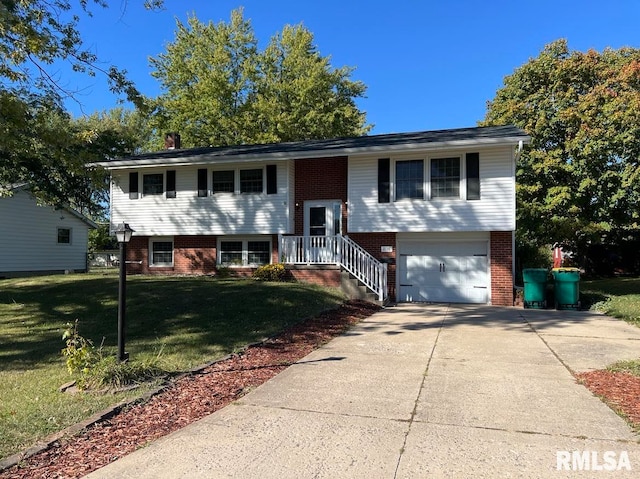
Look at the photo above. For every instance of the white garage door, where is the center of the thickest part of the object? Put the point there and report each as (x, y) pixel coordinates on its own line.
(453, 272)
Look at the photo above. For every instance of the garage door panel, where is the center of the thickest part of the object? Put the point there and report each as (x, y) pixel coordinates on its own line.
(443, 272)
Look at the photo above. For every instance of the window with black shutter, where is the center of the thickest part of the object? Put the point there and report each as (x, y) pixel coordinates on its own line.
(133, 186)
(272, 182)
(384, 183)
(171, 184)
(202, 182)
(473, 176)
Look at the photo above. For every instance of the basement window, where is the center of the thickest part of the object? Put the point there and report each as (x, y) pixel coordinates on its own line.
(245, 252)
(161, 252)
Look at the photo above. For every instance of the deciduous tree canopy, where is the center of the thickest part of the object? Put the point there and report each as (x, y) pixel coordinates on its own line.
(39, 142)
(577, 182)
(220, 89)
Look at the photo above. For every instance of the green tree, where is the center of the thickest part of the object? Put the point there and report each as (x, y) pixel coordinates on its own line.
(37, 33)
(300, 96)
(577, 182)
(40, 144)
(219, 89)
(207, 74)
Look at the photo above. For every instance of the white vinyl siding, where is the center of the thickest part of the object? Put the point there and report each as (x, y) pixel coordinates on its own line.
(216, 214)
(494, 211)
(30, 237)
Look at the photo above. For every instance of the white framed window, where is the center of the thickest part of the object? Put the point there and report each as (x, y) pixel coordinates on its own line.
(409, 177)
(238, 181)
(153, 184)
(64, 235)
(445, 177)
(223, 181)
(161, 251)
(244, 252)
(251, 181)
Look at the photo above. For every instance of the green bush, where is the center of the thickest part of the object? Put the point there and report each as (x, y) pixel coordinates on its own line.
(270, 272)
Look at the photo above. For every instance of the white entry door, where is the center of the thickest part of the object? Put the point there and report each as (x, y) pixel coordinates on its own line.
(322, 219)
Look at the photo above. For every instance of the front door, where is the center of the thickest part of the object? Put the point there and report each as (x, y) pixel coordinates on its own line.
(322, 219)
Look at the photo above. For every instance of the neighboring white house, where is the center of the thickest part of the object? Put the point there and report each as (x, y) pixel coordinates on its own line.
(426, 216)
(40, 239)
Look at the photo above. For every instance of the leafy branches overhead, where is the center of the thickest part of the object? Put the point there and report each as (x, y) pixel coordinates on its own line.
(40, 144)
(34, 34)
(44, 147)
(220, 89)
(577, 182)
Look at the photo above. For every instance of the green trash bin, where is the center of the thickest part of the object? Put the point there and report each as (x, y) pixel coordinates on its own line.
(535, 287)
(566, 283)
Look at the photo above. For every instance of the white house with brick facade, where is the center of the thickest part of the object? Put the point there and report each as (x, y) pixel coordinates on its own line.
(427, 216)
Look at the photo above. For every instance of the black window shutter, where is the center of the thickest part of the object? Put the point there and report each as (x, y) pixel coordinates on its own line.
(202, 182)
(473, 176)
(272, 182)
(133, 186)
(171, 183)
(384, 183)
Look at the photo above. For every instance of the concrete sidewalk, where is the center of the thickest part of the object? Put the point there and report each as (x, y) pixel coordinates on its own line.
(421, 391)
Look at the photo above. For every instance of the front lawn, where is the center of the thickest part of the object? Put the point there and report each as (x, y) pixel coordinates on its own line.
(617, 297)
(187, 320)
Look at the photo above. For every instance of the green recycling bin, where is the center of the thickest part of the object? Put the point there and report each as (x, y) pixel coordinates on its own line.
(566, 282)
(535, 287)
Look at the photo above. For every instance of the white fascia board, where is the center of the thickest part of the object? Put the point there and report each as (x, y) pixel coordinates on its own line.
(207, 159)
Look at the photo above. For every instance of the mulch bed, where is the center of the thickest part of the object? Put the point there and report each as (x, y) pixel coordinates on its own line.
(187, 399)
(621, 391)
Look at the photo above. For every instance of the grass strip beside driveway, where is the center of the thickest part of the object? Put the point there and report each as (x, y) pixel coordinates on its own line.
(188, 320)
(617, 297)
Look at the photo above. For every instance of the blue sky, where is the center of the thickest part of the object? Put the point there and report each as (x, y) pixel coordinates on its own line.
(427, 64)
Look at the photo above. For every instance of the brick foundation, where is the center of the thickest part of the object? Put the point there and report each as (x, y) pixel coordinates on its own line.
(194, 255)
(321, 275)
(501, 268)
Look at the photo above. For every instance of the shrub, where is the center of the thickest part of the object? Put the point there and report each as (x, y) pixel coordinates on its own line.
(92, 369)
(270, 272)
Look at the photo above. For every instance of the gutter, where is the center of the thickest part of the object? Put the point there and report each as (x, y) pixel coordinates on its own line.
(209, 158)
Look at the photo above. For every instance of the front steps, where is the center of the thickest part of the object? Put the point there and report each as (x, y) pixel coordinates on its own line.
(354, 289)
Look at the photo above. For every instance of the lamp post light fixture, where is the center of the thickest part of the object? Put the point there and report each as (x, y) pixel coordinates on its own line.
(123, 235)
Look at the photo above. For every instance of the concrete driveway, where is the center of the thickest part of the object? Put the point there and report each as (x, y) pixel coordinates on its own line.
(421, 391)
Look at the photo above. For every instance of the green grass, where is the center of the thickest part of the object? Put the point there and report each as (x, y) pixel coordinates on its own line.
(191, 320)
(617, 297)
(631, 366)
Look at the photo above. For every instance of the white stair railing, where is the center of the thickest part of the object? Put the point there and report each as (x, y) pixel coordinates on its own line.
(340, 250)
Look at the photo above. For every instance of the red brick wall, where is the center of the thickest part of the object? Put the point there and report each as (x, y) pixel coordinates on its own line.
(319, 179)
(191, 255)
(321, 276)
(501, 268)
(372, 243)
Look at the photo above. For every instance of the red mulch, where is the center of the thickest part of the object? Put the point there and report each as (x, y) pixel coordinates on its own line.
(187, 399)
(620, 390)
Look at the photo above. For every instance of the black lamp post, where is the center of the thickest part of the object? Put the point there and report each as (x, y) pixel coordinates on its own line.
(123, 235)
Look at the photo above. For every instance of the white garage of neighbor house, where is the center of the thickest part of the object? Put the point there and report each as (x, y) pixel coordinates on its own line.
(39, 239)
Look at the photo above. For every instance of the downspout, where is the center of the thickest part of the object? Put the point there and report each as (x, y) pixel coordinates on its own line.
(513, 233)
